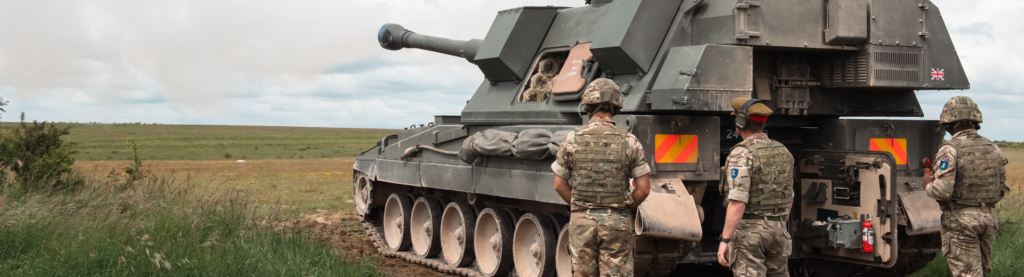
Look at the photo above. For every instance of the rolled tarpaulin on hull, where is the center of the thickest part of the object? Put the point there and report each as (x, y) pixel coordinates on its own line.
(668, 216)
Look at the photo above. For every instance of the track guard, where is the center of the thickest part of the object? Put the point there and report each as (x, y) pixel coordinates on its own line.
(923, 213)
(669, 216)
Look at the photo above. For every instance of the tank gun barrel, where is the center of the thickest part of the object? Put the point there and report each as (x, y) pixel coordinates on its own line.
(395, 37)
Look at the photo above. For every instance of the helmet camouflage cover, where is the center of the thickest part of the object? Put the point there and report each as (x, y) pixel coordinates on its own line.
(960, 108)
(603, 91)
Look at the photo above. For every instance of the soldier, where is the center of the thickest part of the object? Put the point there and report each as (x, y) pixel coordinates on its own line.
(592, 172)
(758, 180)
(971, 180)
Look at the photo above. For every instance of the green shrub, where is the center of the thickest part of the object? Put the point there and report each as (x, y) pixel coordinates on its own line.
(38, 157)
(1009, 144)
(133, 170)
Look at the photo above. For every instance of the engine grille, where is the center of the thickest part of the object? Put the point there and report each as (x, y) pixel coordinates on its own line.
(848, 70)
(897, 57)
(894, 64)
(897, 74)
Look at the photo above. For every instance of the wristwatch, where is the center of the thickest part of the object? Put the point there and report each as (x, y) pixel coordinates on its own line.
(725, 240)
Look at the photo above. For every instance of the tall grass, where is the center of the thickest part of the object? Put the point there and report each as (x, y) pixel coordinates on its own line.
(160, 226)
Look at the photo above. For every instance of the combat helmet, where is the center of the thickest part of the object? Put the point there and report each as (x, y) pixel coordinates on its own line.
(960, 108)
(602, 91)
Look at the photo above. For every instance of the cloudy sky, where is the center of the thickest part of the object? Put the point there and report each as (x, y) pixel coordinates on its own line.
(317, 63)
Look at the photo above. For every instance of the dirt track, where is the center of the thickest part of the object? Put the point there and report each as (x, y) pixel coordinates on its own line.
(344, 232)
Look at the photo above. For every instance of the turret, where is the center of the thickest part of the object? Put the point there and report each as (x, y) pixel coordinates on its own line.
(686, 57)
(504, 55)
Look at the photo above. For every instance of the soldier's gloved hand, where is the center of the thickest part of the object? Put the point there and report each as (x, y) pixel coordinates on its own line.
(927, 179)
(723, 254)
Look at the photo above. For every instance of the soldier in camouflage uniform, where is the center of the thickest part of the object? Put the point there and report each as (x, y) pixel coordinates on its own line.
(758, 182)
(592, 172)
(971, 180)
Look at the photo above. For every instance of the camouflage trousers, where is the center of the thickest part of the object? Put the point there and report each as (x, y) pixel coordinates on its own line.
(967, 237)
(601, 243)
(760, 248)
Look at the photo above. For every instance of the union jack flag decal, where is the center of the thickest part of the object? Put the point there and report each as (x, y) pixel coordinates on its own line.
(938, 74)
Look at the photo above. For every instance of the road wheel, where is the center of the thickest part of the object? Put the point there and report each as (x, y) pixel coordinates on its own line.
(493, 242)
(457, 226)
(363, 194)
(533, 246)
(425, 227)
(563, 259)
(396, 222)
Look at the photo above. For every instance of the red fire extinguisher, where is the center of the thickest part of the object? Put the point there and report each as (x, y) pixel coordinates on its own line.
(869, 236)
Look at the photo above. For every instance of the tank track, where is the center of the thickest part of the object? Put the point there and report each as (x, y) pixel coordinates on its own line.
(374, 228)
(654, 257)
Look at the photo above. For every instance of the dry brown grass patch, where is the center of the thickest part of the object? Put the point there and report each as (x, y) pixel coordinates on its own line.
(299, 185)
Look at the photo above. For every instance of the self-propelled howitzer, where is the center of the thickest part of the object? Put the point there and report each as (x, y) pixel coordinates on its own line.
(472, 194)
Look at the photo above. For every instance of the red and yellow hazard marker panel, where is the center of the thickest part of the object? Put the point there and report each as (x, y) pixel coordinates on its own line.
(675, 149)
(896, 146)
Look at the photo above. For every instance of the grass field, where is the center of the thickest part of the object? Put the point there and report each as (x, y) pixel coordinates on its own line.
(298, 185)
(97, 142)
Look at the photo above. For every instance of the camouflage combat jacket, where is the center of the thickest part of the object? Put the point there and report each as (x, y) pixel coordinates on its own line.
(635, 161)
(742, 164)
(969, 171)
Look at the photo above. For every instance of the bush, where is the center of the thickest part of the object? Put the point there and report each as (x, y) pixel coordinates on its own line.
(1009, 144)
(133, 170)
(38, 157)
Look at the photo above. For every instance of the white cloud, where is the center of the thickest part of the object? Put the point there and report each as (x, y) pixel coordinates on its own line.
(317, 62)
(986, 37)
(235, 61)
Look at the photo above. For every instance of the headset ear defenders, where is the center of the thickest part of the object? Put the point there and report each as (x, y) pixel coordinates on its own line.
(743, 116)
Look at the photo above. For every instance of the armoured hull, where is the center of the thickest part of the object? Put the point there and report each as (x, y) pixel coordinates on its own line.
(493, 211)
